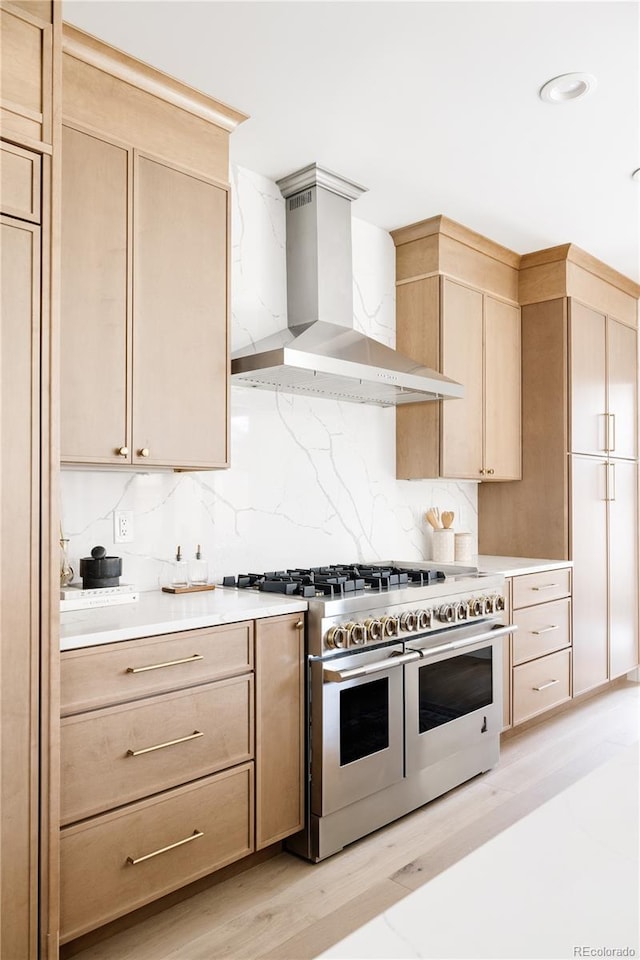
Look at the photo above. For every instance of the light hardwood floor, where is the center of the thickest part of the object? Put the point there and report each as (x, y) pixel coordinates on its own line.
(287, 909)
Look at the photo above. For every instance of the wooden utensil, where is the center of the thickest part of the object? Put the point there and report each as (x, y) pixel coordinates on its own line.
(432, 516)
(448, 517)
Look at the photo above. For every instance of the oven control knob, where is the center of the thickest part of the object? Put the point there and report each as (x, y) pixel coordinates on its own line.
(356, 634)
(336, 637)
(462, 610)
(477, 607)
(487, 605)
(390, 626)
(499, 603)
(423, 619)
(374, 629)
(408, 620)
(447, 613)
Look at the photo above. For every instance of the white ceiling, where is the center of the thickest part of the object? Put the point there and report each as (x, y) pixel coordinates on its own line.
(433, 106)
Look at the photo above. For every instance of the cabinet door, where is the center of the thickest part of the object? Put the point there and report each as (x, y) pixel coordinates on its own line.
(94, 300)
(19, 514)
(462, 420)
(180, 349)
(623, 567)
(589, 554)
(588, 380)
(279, 728)
(502, 379)
(25, 76)
(622, 353)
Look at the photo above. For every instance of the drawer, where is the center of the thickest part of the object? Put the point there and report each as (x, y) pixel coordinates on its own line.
(541, 587)
(119, 754)
(96, 676)
(20, 183)
(541, 684)
(541, 629)
(175, 838)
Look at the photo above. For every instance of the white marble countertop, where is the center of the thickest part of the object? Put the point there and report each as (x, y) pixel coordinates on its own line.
(564, 877)
(156, 612)
(515, 566)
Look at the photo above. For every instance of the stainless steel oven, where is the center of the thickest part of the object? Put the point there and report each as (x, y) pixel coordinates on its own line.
(357, 738)
(404, 690)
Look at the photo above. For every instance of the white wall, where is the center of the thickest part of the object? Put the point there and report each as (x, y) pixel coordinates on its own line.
(312, 481)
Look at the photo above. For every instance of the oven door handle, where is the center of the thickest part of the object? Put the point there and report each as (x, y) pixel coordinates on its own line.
(378, 666)
(428, 652)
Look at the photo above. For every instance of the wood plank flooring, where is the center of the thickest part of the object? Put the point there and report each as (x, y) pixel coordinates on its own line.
(287, 909)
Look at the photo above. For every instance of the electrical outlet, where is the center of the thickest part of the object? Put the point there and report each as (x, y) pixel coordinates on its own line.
(123, 526)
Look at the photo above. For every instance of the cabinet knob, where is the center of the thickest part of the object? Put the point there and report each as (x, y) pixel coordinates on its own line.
(144, 452)
(482, 472)
(123, 451)
(491, 471)
(299, 624)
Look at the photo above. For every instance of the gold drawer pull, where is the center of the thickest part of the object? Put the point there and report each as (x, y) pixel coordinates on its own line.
(554, 626)
(169, 743)
(169, 663)
(544, 686)
(546, 586)
(172, 846)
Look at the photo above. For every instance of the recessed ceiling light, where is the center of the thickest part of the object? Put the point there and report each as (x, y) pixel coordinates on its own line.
(569, 86)
(636, 174)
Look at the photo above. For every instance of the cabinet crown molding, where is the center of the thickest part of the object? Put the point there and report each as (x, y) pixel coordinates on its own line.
(88, 49)
(570, 253)
(441, 225)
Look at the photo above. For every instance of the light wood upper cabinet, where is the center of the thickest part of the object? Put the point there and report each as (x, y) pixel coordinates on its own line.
(622, 399)
(179, 331)
(95, 299)
(26, 53)
(456, 312)
(604, 384)
(462, 360)
(145, 267)
(502, 379)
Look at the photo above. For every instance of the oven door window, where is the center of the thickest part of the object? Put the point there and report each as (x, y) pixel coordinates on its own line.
(455, 687)
(364, 720)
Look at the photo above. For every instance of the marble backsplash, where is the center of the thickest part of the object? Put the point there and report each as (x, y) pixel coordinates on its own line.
(312, 481)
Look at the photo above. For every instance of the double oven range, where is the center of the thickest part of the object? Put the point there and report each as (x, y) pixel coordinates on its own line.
(404, 690)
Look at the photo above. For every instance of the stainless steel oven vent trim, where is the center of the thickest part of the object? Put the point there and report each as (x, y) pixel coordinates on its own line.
(320, 353)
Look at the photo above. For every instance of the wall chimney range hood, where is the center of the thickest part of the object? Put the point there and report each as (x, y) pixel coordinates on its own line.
(320, 353)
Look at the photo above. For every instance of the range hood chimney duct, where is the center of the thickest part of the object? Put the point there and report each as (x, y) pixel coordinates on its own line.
(320, 353)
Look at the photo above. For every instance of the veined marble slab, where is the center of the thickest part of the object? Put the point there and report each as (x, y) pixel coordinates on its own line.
(516, 566)
(156, 613)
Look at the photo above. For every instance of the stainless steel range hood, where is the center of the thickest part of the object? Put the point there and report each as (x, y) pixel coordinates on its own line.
(320, 353)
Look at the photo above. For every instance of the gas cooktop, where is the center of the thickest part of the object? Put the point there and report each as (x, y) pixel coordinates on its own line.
(336, 581)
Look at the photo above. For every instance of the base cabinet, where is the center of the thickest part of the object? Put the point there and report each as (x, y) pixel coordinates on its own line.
(540, 651)
(180, 755)
(279, 730)
(117, 862)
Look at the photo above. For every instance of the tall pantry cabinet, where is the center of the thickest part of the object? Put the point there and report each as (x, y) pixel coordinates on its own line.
(29, 39)
(578, 499)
